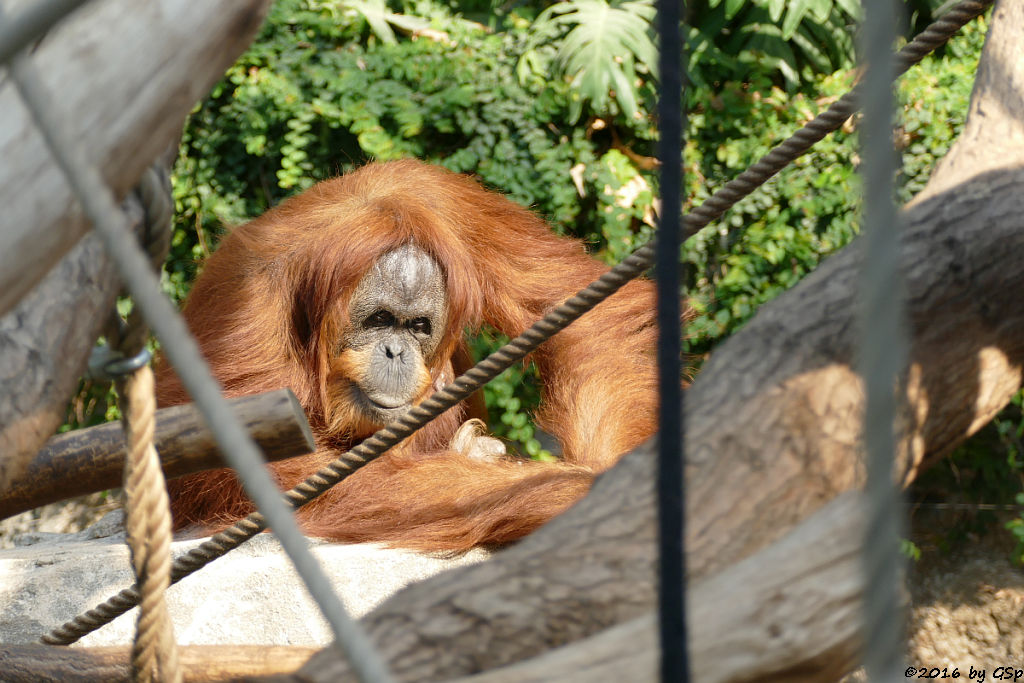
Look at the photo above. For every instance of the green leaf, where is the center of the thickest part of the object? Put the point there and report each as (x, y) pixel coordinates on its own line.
(812, 50)
(853, 8)
(732, 7)
(375, 12)
(794, 15)
(820, 10)
(602, 42)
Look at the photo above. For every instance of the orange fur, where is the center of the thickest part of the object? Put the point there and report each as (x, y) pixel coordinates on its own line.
(270, 307)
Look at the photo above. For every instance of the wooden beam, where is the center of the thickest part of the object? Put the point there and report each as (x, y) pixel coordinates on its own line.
(126, 75)
(33, 663)
(751, 622)
(45, 342)
(88, 460)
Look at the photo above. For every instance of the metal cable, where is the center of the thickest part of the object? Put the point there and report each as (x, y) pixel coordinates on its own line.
(671, 487)
(182, 351)
(32, 22)
(883, 347)
(632, 266)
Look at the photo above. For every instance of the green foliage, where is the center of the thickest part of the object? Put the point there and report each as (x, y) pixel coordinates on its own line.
(795, 39)
(510, 397)
(934, 95)
(769, 241)
(602, 46)
(777, 235)
(94, 403)
(910, 550)
(380, 18)
(624, 206)
(307, 103)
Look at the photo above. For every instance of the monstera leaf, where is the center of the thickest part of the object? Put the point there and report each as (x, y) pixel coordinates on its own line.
(603, 45)
(381, 19)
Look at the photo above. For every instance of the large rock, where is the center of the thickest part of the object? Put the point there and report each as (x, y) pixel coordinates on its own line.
(250, 596)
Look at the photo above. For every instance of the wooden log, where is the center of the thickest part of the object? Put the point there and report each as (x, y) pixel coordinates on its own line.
(45, 342)
(749, 622)
(127, 74)
(88, 460)
(37, 663)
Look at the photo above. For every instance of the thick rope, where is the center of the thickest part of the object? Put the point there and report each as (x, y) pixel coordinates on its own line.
(632, 266)
(147, 506)
(148, 526)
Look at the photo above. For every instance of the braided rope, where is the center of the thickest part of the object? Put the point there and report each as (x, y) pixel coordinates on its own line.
(937, 34)
(148, 526)
(146, 504)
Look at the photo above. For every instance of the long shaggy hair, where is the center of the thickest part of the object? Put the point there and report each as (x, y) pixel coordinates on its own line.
(271, 305)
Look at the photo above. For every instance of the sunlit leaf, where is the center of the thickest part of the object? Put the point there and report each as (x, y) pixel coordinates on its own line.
(602, 41)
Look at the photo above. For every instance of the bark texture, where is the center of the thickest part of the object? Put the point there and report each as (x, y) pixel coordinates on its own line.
(125, 74)
(774, 421)
(45, 343)
(734, 638)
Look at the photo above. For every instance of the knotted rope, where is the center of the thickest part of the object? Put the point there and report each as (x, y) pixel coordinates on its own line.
(146, 504)
(148, 526)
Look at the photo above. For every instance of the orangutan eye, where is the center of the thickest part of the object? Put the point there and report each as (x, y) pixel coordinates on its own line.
(380, 318)
(420, 325)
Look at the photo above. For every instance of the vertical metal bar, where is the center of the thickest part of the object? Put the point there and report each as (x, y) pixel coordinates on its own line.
(883, 345)
(671, 513)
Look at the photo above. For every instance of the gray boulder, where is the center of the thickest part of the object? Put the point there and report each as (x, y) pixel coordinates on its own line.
(250, 596)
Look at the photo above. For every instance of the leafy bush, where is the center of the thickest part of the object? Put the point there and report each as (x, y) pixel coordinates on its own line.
(774, 237)
(778, 234)
(799, 39)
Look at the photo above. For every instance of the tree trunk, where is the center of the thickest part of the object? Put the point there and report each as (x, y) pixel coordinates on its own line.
(734, 638)
(45, 343)
(774, 421)
(89, 460)
(127, 74)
